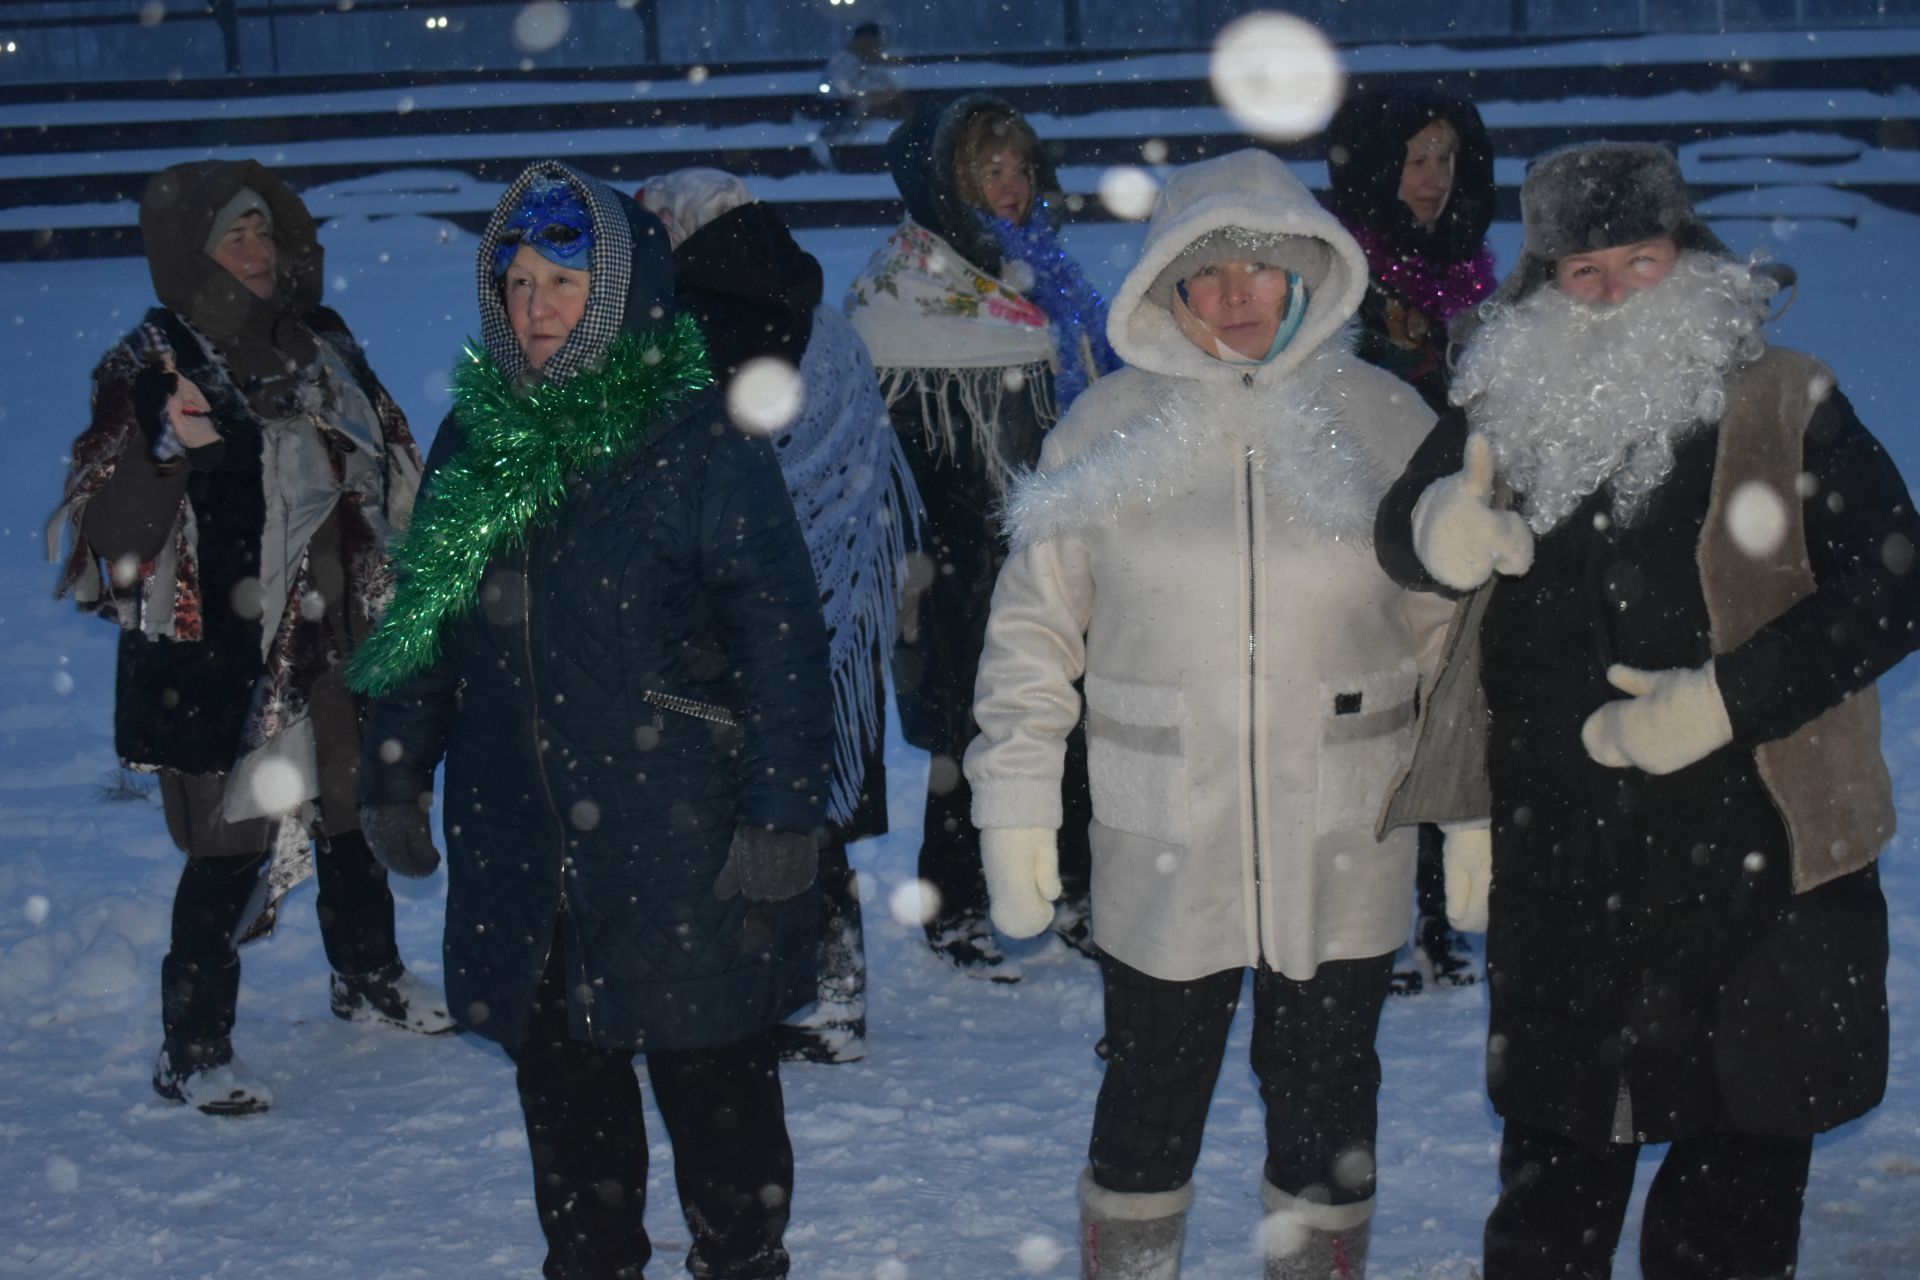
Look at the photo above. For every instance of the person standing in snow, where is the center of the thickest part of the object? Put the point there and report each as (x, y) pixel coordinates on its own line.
(607, 626)
(1411, 172)
(1195, 544)
(983, 329)
(231, 503)
(756, 296)
(1689, 563)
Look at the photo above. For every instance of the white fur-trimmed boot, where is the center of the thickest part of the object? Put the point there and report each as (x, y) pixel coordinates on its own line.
(1131, 1235)
(1308, 1241)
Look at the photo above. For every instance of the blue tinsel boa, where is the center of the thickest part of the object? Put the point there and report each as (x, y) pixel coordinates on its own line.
(1061, 289)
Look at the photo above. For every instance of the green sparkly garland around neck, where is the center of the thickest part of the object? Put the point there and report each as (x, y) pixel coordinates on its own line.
(521, 446)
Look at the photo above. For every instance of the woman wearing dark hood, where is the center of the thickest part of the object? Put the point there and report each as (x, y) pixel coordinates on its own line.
(1412, 175)
(756, 296)
(231, 503)
(983, 330)
(607, 626)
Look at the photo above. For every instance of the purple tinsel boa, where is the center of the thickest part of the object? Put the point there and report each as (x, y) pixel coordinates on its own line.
(1439, 292)
(1061, 289)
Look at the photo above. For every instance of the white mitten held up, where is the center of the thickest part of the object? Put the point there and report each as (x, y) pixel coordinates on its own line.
(1672, 719)
(1023, 878)
(1460, 539)
(1467, 859)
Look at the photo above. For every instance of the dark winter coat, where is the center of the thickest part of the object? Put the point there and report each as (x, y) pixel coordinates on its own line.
(1419, 278)
(589, 786)
(1644, 930)
(191, 682)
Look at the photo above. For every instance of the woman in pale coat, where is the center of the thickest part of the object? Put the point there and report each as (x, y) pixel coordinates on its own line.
(1196, 543)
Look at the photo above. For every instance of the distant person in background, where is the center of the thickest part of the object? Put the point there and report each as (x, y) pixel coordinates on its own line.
(607, 628)
(856, 87)
(1412, 181)
(232, 504)
(983, 329)
(756, 295)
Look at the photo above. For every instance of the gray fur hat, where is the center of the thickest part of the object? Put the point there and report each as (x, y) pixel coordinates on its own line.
(1595, 195)
(245, 201)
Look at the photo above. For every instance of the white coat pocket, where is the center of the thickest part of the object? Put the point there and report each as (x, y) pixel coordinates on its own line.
(1365, 724)
(1136, 758)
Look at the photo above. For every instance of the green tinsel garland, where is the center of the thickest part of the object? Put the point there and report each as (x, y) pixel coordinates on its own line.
(521, 445)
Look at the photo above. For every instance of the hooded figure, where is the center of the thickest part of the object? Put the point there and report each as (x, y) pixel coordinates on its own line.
(756, 296)
(1195, 543)
(1689, 562)
(231, 505)
(607, 627)
(1412, 180)
(969, 311)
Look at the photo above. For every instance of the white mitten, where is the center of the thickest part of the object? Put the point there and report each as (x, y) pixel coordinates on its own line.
(1467, 859)
(1674, 718)
(1023, 878)
(1458, 536)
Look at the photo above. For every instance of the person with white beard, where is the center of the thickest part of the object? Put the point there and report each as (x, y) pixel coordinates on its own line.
(1688, 563)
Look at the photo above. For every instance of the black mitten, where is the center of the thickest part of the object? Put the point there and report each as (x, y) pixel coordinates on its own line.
(400, 837)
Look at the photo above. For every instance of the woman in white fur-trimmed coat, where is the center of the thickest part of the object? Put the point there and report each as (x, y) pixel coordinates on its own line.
(1196, 542)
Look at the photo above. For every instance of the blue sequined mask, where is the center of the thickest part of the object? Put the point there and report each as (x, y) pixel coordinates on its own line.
(553, 221)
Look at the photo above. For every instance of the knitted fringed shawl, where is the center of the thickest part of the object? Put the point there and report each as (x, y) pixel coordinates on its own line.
(857, 503)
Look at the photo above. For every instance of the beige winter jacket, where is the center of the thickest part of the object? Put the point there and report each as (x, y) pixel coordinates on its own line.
(1195, 542)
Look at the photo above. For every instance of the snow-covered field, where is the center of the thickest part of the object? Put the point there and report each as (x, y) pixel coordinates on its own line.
(951, 1152)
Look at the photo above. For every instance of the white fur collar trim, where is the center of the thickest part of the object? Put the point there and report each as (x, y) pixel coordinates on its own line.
(1312, 460)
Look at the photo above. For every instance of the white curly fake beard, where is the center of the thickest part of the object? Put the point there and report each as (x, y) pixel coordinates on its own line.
(1572, 395)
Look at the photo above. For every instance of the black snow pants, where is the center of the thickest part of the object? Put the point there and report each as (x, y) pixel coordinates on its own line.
(1722, 1207)
(1312, 1053)
(587, 1133)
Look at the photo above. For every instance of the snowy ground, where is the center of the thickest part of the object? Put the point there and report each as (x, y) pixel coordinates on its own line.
(951, 1152)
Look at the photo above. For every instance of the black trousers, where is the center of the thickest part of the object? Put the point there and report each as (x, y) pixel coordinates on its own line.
(586, 1129)
(1312, 1053)
(200, 976)
(1722, 1207)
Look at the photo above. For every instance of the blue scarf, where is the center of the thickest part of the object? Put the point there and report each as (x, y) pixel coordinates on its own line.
(1061, 289)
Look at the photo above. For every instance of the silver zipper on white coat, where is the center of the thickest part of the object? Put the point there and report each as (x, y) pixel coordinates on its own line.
(539, 751)
(1253, 708)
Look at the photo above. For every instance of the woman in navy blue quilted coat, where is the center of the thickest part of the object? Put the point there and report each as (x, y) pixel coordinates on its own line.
(607, 625)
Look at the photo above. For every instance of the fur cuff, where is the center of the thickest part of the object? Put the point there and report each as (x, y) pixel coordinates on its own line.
(1308, 1213)
(1131, 1206)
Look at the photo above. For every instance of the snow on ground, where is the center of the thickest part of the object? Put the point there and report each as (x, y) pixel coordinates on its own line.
(949, 1154)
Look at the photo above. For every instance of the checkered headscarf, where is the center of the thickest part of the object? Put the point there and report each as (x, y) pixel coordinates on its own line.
(610, 266)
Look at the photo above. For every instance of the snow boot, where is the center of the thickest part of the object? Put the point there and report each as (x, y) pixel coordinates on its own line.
(1131, 1235)
(1073, 924)
(1306, 1240)
(835, 1029)
(208, 1076)
(392, 996)
(967, 943)
(1445, 953)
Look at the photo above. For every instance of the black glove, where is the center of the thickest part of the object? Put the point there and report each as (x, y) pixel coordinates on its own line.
(767, 866)
(400, 838)
(153, 386)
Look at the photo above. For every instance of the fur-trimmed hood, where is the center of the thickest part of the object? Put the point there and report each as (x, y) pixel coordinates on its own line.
(1249, 191)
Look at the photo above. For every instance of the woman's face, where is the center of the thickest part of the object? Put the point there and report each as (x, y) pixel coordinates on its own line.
(1426, 180)
(1609, 276)
(247, 252)
(1006, 183)
(544, 302)
(1241, 301)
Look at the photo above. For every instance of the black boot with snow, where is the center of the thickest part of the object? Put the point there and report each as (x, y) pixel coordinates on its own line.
(834, 1029)
(209, 1077)
(392, 996)
(967, 943)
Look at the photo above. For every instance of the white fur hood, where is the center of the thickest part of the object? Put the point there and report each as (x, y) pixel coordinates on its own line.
(1253, 191)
